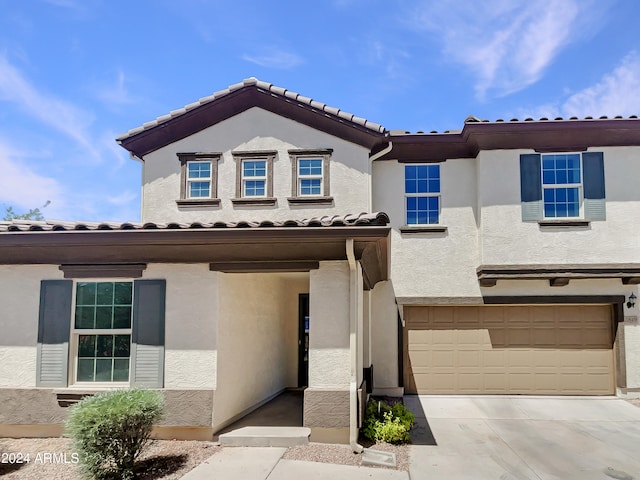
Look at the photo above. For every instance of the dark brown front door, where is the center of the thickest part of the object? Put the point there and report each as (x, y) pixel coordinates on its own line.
(303, 340)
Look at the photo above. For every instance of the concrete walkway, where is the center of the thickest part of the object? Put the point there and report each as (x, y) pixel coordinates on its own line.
(524, 438)
(262, 463)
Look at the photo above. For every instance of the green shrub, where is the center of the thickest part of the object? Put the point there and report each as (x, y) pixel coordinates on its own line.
(110, 430)
(386, 423)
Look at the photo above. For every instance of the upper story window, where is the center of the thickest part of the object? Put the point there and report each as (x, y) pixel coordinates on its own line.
(422, 194)
(199, 179)
(562, 186)
(199, 172)
(310, 176)
(254, 178)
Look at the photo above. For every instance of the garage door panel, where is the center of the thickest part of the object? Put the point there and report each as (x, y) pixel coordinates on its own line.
(543, 349)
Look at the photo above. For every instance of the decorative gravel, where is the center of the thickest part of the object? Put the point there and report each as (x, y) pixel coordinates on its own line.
(52, 458)
(342, 454)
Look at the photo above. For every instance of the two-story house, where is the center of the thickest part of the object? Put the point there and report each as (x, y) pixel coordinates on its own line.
(285, 243)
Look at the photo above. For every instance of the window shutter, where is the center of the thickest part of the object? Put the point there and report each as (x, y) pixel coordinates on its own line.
(593, 178)
(147, 346)
(54, 325)
(531, 187)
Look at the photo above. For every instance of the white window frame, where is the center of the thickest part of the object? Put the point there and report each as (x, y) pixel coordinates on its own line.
(422, 194)
(75, 337)
(264, 178)
(554, 186)
(301, 176)
(190, 181)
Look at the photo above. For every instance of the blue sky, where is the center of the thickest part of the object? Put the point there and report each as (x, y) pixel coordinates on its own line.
(74, 74)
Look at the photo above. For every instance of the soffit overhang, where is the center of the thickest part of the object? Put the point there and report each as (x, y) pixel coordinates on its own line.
(558, 275)
(230, 102)
(232, 250)
(540, 136)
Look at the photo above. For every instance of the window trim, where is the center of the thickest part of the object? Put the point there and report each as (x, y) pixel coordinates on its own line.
(324, 154)
(74, 338)
(185, 158)
(554, 186)
(415, 227)
(240, 157)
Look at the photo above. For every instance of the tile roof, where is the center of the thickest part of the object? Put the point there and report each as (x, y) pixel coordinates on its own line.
(359, 220)
(472, 119)
(252, 81)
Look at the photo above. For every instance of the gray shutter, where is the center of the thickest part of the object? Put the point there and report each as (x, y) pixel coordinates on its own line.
(54, 325)
(593, 178)
(147, 346)
(531, 187)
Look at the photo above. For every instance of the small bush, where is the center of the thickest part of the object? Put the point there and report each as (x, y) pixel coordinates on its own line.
(386, 423)
(110, 430)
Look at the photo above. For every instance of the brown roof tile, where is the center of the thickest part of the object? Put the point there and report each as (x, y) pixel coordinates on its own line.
(266, 86)
(359, 220)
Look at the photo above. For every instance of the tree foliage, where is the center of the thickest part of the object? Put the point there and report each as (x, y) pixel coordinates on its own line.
(32, 214)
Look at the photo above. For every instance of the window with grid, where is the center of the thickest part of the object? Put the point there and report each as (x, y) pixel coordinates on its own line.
(102, 331)
(199, 179)
(310, 176)
(422, 194)
(561, 185)
(254, 178)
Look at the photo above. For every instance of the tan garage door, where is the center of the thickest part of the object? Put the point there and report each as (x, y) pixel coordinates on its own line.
(542, 349)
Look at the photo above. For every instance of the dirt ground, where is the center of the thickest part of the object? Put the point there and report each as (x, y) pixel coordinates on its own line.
(53, 458)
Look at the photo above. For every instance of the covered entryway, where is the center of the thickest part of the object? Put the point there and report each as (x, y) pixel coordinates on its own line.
(516, 349)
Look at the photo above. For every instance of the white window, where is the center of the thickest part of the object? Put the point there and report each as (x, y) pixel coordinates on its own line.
(199, 179)
(101, 331)
(310, 177)
(562, 185)
(254, 178)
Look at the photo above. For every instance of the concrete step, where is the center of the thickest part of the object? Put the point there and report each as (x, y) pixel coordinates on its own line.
(265, 437)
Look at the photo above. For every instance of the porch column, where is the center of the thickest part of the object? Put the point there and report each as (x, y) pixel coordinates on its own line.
(326, 401)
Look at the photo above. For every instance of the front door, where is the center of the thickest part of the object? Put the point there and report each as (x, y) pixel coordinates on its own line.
(303, 340)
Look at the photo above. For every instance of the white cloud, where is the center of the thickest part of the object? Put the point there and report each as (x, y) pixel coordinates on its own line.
(274, 58)
(23, 188)
(54, 112)
(124, 199)
(508, 45)
(617, 93)
(117, 93)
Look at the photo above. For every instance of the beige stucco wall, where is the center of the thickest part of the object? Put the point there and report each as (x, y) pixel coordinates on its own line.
(256, 336)
(507, 239)
(190, 324)
(481, 208)
(253, 130)
(384, 337)
(20, 300)
(432, 264)
(329, 361)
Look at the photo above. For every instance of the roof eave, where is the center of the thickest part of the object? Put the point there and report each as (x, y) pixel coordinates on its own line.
(540, 136)
(207, 114)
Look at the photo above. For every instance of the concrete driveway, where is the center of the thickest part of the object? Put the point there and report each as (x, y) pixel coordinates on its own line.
(516, 437)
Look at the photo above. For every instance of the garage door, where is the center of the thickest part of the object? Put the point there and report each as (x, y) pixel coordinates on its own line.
(538, 349)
